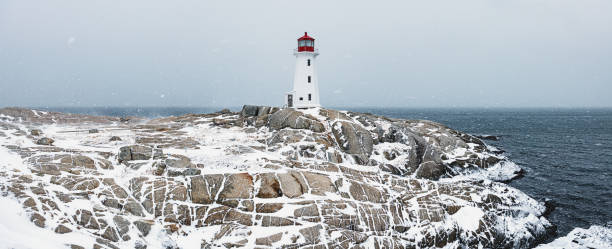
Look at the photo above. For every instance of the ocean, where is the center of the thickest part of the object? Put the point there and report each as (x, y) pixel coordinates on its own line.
(567, 153)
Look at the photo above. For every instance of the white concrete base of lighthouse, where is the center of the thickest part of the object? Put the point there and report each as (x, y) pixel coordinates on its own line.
(305, 92)
(290, 101)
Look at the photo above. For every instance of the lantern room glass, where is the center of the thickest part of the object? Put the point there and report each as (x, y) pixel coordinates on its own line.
(306, 43)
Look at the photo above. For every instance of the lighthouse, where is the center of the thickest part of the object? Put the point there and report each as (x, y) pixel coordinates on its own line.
(305, 92)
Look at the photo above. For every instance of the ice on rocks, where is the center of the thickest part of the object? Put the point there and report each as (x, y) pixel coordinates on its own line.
(593, 237)
(323, 179)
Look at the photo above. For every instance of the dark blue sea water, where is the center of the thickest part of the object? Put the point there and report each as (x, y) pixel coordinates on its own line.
(567, 153)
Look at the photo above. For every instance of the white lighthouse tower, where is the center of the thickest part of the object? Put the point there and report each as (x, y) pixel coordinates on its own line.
(305, 92)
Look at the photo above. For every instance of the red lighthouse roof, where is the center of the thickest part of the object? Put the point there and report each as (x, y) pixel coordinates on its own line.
(305, 37)
(306, 43)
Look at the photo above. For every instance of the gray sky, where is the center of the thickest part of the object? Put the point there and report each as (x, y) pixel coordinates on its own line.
(488, 53)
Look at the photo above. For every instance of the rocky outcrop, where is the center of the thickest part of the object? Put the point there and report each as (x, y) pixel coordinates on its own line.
(267, 178)
(294, 119)
(354, 140)
(138, 152)
(430, 170)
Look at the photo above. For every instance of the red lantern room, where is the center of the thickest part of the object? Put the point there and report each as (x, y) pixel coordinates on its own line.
(306, 43)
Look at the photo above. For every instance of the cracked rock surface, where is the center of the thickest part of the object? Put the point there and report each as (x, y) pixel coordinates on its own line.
(263, 178)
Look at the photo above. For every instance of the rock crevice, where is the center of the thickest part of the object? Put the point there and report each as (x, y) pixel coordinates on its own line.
(264, 177)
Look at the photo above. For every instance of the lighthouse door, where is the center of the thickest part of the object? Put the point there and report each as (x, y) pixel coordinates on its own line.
(290, 100)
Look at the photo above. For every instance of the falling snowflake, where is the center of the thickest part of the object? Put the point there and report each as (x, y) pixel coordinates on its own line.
(70, 41)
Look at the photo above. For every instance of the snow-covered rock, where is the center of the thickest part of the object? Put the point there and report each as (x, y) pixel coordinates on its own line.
(263, 177)
(594, 237)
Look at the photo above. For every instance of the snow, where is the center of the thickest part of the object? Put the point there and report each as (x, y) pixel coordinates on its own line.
(5, 117)
(594, 237)
(468, 217)
(315, 112)
(16, 231)
(222, 151)
(10, 160)
(459, 151)
(502, 171)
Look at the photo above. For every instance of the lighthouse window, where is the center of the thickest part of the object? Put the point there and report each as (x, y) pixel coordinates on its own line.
(309, 43)
(301, 43)
(309, 97)
(308, 78)
(308, 62)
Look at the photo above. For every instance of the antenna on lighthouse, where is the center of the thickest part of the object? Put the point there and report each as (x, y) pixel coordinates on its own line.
(305, 93)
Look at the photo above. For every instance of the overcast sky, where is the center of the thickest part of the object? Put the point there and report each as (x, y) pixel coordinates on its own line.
(489, 53)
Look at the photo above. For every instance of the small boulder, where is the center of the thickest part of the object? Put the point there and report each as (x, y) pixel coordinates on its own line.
(61, 229)
(114, 138)
(263, 110)
(310, 210)
(268, 207)
(192, 172)
(38, 220)
(35, 132)
(91, 131)
(134, 208)
(159, 168)
(488, 137)
(294, 119)
(112, 203)
(139, 152)
(430, 170)
(140, 245)
(319, 183)
(144, 226)
(174, 173)
(249, 111)
(224, 111)
(311, 234)
(270, 187)
(550, 206)
(268, 241)
(204, 189)
(47, 169)
(86, 219)
(237, 186)
(110, 234)
(78, 161)
(180, 162)
(45, 141)
(123, 226)
(364, 192)
(292, 184)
